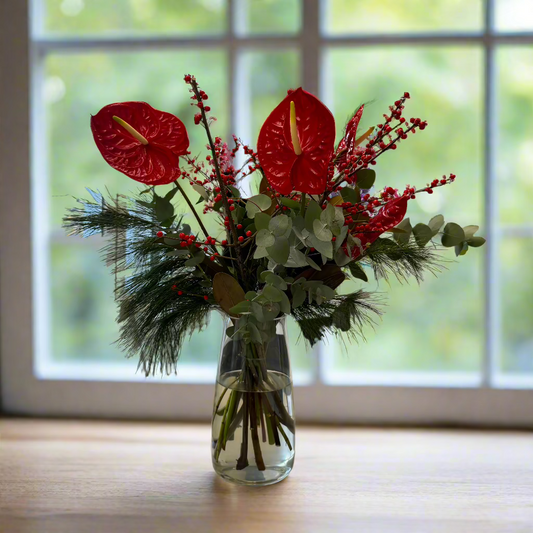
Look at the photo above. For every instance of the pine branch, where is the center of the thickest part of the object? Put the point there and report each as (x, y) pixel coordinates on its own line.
(344, 314)
(403, 260)
(155, 320)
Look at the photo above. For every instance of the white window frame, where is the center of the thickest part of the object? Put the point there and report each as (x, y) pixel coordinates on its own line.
(490, 402)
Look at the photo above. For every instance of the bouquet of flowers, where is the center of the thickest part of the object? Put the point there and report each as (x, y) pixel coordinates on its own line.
(316, 220)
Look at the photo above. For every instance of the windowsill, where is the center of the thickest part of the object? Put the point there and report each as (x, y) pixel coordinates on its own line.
(115, 476)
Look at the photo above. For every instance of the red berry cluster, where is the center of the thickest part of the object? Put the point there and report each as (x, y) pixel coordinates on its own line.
(386, 137)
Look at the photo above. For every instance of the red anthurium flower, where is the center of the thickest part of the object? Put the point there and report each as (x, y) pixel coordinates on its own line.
(347, 143)
(296, 143)
(140, 141)
(391, 214)
(350, 141)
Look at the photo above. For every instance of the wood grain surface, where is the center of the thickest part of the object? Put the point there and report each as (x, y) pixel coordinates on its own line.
(77, 477)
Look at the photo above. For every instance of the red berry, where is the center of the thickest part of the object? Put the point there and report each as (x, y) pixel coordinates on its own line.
(160, 234)
(248, 233)
(206, 297)
(224, 242)
(406, 95)
(239, 226)
(232, 208)
(241, 238)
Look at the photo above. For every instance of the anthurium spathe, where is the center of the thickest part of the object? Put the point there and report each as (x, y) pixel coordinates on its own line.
(391, 214)
(140, 141)
(295, 154)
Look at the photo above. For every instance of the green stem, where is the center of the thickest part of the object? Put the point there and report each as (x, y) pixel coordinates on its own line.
(284, 435)
(233, 401)
(303, 204)
(200, 223)
(242, 461)
(255, 436)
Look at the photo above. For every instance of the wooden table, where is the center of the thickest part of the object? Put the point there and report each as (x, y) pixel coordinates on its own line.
(113, 477)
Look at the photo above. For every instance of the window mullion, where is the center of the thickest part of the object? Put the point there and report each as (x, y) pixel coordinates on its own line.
(310, 45)
(492, 316)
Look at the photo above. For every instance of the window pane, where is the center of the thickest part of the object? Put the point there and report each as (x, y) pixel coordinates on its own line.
(391, 16)
(271, 17)
(81, 298)
(72, 96)
(516, 295)
(514, 15)
(515, 134)
(264, 78)
(438, 326)
(121, 17)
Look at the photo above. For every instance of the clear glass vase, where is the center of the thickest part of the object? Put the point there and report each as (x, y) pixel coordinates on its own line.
(253, 424)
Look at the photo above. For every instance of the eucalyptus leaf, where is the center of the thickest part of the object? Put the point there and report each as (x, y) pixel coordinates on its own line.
(476, 242)
(298, 296)
(297, 257)
(277, 281)
(461, 249)
(311, 263)
(260, 252)
(291, 204)
(405, 225)
(341, 259)
(312, 213)
(423, 234)
(279, 225)
(271, 310)
(279, 252)
(327, 292)
(240, 308)
(328, 215)
(285, 304)
(261, 221)
(436, 223)
(178, 253)
(323, 247)
(254, 333)
(265, 238)
(257, 204)
(341, 237)
(196, 259)
(470, 231)
(257, 311)
(321, 230)
(452, 234)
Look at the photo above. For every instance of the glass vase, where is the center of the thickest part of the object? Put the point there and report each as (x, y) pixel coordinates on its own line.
(253, 424)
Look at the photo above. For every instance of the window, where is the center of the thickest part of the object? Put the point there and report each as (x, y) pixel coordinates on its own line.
(458, 349)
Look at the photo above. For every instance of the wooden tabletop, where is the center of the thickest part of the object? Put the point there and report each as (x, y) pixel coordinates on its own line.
(77, 477)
